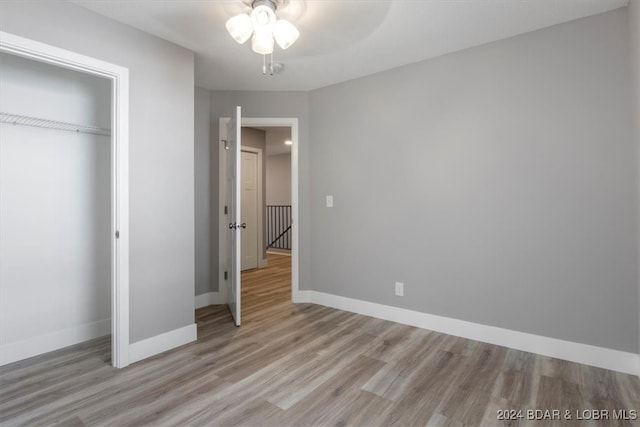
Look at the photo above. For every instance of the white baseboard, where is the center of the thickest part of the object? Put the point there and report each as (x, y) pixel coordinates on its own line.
(161, 343)
(13, 352)
(210, 298)
(614, 360)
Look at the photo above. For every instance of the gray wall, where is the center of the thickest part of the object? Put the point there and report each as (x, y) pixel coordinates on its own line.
(161, 151)
(634, 34)
(55, 204)
(498, 183)
(279, 179)
(633, 14)
(203, 226)
(268, 104)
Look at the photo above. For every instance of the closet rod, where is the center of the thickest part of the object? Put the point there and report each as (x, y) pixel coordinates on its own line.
(52, 124)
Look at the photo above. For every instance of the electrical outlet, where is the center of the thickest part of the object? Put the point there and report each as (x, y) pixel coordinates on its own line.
(399, 289)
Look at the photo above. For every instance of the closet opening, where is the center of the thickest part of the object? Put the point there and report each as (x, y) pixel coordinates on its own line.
(63, 201)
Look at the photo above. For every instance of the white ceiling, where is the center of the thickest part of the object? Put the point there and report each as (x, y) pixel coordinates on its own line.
(340, 40)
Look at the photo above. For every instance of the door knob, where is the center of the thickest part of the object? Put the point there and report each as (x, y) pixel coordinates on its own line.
(232, 226)
(244, 225)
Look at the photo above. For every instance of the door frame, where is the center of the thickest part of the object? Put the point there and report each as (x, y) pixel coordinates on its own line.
(292, 123)
(119, 77)
(262, 262)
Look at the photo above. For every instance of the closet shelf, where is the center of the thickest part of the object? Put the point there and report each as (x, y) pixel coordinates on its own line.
(52, 124)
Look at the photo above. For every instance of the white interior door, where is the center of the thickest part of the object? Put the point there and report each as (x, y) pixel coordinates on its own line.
(234, 171)
(249, 211)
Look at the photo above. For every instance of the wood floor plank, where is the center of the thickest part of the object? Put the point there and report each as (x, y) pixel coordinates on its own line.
(312, 375)
(44, 364)
(171, 401)
(132, 399)
(335, 396)
(550, 396)
(305, 365)
(425, 390)
(89, 392)
(255, 412)
(393, 379)
(392, 343)
(36, 383)
(518, 380)
(367, 409)
(476, 379)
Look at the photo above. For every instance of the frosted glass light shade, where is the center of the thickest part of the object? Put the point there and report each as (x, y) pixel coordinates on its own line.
(262, 17)
(240, 27)
(262, 42)
(285, 33)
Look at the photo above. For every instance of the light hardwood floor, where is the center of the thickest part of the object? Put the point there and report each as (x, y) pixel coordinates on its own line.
(305, 365)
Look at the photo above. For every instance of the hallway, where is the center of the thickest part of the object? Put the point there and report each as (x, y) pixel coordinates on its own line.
(265, 290)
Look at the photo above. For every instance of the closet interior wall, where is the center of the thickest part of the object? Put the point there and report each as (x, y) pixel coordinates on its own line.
(55, 210)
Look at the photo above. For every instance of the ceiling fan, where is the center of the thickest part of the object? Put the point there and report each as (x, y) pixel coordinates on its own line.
(265, 29)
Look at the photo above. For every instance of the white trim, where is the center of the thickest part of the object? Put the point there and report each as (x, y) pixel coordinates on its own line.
(295, 215)
(222, 201)
(119, 77)
(210, 298)
(614, 360)
(163, 342)
(260, 250)
(12, 352)
(222, 224)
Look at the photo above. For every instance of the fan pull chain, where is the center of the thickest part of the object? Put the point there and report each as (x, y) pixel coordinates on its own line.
(271, 64)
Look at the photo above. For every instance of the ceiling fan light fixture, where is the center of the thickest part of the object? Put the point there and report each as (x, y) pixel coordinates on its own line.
(240, 27)
(265, 29)
(262, 42)
(285, 33)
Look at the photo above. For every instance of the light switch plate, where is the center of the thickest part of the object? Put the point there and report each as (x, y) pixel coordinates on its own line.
(329, 201)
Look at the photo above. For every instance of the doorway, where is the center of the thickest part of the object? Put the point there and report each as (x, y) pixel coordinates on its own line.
(118, 193)
(224, 265)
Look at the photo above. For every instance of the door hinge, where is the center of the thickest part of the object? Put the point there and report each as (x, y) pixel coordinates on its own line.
(226, 208)
(226, 275)
(117, 234)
